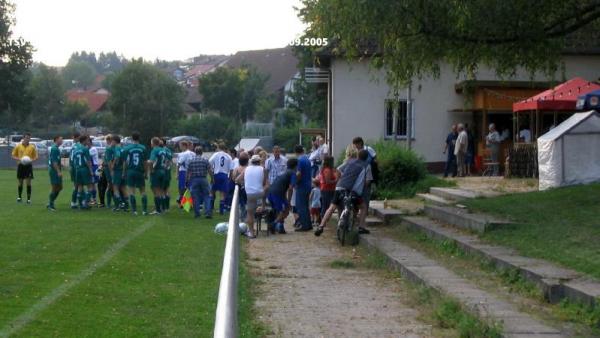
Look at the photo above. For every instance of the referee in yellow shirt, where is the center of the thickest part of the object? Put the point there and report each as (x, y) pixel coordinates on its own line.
(25, 171)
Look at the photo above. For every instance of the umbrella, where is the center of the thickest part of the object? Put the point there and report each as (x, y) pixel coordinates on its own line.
(589, 101)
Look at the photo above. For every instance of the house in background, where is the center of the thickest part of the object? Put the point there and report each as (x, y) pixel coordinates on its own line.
(279, 64)
(362, 104)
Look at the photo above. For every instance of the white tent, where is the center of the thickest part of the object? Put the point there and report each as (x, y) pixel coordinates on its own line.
(570, 153)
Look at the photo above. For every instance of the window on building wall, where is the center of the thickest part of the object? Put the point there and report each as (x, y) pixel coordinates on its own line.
(396, 119)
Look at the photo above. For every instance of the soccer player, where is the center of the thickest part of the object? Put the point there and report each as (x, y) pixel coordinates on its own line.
(95, 178)
(183, 159)
(117, 174)
(24, 171)
(221, 166)
(76, 136)
(169, 164)
(135, 167)
(83, 171)
(55, 172)
(108, 157)
(158, 164)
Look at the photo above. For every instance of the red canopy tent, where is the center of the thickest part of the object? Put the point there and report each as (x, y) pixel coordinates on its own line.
(562, 97)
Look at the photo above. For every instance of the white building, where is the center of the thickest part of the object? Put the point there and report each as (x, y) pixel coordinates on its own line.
(360, 103)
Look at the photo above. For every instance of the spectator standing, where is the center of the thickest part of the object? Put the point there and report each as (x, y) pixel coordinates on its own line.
(449, 149)
(315, 204)
(460, 149)
(197, 172)
(327, 181)
(280, 194)
(470, 159)
(237, 175)
(303, 188)
(276, 165)
(183, 160)
(493, 143)
(254, 183)
(318, 154)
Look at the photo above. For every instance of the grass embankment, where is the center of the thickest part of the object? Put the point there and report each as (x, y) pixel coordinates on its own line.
(162, 283)
(560, 225)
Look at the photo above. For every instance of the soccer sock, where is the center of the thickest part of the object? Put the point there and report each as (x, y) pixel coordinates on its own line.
(28, 192)
(167, 202)
(20, 191)
(109, 195)
(93, 194)
(144, 203)
(51, 198)
(157, 203)
(74, 197)
(133, 203)
(163, 201)
(80, 198)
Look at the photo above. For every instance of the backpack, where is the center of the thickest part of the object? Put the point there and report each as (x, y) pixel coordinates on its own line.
(372, 160)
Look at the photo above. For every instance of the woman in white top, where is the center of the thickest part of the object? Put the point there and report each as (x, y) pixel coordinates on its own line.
(255, 182)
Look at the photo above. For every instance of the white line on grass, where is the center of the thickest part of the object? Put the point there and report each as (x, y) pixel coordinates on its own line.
(29, 315)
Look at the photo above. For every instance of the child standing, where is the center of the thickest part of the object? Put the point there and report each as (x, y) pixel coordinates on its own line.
(315, 203)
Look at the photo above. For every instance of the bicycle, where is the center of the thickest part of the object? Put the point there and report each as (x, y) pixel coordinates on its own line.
(348, 218)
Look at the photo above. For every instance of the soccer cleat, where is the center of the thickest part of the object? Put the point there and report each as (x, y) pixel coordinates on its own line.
(19, 200)
(155, 213)
(144, 213)
(134, 213)
(100, 205)
(28, 201)
(50, 207)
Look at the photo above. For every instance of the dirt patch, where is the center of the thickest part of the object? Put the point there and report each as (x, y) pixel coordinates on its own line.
(309, 295)
(496, 185)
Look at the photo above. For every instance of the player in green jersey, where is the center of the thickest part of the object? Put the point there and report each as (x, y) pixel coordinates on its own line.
(83, 171)
(167, 187)
(118, 176)
(75, 144)
(107, 195)
(158, 174)
(55, 172)
(135, 167)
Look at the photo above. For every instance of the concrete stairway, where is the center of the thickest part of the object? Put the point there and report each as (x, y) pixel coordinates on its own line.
(417, 268)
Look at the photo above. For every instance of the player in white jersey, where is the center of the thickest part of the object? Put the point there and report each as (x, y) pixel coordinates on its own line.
(95, 178)
(220, 163)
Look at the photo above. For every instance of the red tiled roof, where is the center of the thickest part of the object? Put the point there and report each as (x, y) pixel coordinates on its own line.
(95, 101)
(199, 70)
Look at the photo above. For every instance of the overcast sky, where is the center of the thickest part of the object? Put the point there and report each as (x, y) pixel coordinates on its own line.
(168, 29)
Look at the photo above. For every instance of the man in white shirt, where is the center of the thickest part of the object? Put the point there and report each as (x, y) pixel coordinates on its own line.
(221, 168)
(276, 165)
(460, 149)
(318, 155)
(493, 141)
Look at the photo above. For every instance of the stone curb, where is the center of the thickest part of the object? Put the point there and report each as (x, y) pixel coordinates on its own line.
(463, 219)
(419, 269)
(555, 282)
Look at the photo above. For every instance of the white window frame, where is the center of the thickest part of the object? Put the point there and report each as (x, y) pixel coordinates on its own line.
(395, 120)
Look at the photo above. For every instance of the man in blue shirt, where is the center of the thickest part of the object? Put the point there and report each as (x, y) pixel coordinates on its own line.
(303, 187)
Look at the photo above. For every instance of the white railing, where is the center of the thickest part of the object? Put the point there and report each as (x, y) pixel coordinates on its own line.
(226, 325)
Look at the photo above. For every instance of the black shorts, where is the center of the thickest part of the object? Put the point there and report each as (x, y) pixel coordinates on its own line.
(24, 171)
(338, 198)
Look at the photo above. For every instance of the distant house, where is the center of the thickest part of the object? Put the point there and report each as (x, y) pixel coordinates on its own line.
(362, 104)
(279, 64)
(193, 102)
(96, 100)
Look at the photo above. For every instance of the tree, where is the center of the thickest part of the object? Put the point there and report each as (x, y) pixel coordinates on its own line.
(110, 63)
(75, 110)
(146, 100)
(48, 97)
(78, 74)
(15, 59)
(412, 38)
(210, 128)
(233, 92)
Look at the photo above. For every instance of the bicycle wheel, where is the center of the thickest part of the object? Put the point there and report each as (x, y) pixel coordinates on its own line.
(343, 226)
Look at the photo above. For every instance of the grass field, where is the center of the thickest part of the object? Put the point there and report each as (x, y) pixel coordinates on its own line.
(561, 225)
(159, 277)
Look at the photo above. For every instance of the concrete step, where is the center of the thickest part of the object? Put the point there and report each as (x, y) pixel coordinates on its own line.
(463, 219)
(417, 268)
(373, 221)
(453, 193)
(554, 281)
(388, 216)
(435, 200)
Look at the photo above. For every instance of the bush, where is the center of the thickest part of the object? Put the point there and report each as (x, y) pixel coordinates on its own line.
(210, 128)
(398, 166)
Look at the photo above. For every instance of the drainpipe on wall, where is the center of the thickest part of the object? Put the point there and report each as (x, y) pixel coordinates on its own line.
(409, 116)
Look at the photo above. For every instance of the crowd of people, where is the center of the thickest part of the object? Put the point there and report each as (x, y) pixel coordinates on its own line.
(307, 184)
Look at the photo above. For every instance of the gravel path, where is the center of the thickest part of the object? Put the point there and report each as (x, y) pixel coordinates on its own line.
(301, 295)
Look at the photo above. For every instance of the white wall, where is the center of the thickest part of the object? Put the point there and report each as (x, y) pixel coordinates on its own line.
(359, 95)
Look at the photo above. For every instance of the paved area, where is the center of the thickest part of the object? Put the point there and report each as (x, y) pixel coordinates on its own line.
(301, 295)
